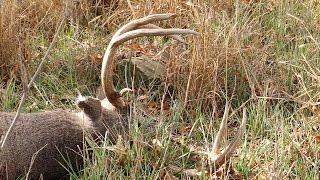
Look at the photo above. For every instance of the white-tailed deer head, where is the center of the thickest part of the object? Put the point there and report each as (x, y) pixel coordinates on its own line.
(39, 141)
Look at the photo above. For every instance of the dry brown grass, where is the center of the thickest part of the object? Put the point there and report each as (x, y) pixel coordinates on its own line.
(233, 57)
(20, 22)
(220, 60)
(241, 49)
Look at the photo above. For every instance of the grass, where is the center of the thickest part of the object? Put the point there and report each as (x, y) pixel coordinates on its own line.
(263, 54)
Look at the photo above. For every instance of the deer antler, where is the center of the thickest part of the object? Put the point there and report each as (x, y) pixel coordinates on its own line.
(217, 158)
(136, 28)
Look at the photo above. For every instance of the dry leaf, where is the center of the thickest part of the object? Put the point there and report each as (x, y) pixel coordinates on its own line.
(152, 104)
(317, 138)
(151, 69)
(234, 173)
(14, 70)
(184, 129)
(135, 47)
(166, 106)
(96, 58)
(164, 175)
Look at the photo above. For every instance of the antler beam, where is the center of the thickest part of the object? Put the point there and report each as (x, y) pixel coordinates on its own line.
(136, 28)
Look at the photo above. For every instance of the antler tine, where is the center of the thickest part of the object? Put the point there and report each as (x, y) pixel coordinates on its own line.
(150, 32)
(152, 26)
(143, 21)
(226, 153)
(126, 33)
(220, 135)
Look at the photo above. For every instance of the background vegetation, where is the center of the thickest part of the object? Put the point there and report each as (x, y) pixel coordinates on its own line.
(264, 55)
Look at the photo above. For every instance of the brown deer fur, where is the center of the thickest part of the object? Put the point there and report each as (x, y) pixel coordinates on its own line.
(53, 138)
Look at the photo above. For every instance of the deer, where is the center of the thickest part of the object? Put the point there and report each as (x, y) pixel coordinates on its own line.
(39, 143)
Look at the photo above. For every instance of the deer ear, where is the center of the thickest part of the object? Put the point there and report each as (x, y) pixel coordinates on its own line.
(91, 107)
